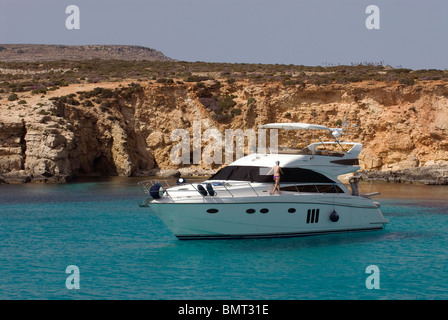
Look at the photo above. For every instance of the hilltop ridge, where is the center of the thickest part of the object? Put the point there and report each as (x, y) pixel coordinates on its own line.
(44, 52)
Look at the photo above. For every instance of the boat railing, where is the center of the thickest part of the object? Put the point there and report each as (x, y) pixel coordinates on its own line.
(363, 190)
(212, 189)
(204, 192)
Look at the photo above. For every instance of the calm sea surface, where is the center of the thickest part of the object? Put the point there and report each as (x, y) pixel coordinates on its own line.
(124, 251)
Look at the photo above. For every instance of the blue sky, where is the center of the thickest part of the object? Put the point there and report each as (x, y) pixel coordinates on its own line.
(412, 33)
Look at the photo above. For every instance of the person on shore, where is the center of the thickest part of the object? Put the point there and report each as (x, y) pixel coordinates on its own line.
(277, 171)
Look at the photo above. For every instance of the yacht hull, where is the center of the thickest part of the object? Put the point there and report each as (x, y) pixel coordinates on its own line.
(287, 216)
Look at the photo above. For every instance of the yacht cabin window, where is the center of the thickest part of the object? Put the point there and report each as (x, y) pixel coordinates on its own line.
(258, 174)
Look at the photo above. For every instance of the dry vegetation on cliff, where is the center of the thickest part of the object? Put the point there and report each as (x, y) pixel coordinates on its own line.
(66, 118)
(40, 77)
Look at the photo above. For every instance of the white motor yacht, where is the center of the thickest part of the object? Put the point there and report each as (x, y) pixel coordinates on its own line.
(237, 201)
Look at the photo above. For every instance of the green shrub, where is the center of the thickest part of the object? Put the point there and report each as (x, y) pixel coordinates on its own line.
(40, 90)
(235, 112)
(292, 82)
(130, 90)
(13, 97)
(227, 102)
(106, 93)
(164, 80)
(197, 78)
(407, 81)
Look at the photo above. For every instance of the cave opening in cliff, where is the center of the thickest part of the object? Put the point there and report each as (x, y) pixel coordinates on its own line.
(104, 166)
(23, 146)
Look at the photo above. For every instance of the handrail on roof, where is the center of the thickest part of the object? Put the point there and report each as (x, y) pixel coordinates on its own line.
(333, 132)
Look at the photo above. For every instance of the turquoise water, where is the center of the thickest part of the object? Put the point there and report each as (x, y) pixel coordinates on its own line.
(124, 251)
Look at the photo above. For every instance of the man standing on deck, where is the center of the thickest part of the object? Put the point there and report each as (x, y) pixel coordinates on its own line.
(277, 170)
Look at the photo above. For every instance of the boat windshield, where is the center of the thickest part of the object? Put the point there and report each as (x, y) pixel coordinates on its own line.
(260, 174)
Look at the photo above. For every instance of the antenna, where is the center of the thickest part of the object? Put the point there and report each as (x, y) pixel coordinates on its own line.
(345, 123)
(313, 113)
(345, 128)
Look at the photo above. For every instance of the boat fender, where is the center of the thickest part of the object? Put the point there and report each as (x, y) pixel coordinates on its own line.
(334, 216)
(210, 190)
(145, 203)
(154, 191)
(202, 190)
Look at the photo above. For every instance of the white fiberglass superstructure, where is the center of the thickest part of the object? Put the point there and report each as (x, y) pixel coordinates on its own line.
(237, 201)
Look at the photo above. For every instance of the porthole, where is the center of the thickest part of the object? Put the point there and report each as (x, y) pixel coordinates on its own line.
(264, 210)
(291, 210)
(212, 210)
(250, 211)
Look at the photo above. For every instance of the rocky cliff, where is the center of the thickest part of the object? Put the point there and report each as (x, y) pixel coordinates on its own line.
(124, 128)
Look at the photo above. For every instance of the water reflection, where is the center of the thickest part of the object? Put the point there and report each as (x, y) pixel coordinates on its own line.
(412, 191)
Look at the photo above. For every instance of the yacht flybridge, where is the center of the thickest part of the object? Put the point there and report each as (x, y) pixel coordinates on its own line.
(237, 201)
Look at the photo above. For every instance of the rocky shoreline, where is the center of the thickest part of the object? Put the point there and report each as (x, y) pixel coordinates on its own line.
(429, 175)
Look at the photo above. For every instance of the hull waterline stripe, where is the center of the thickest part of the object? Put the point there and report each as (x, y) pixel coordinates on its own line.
(270, 235)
